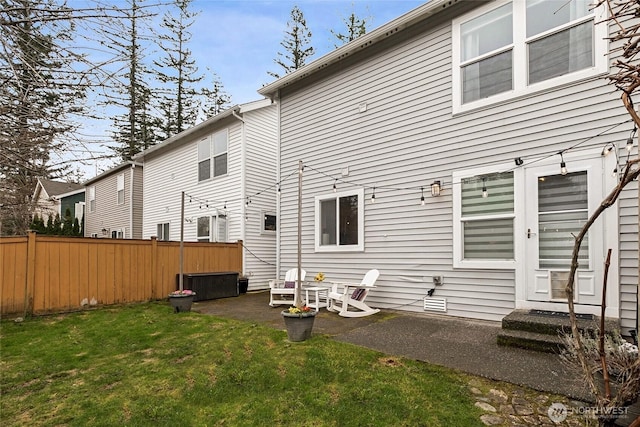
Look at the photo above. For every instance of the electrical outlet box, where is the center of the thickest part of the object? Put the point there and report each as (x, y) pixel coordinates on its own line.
(437, 280)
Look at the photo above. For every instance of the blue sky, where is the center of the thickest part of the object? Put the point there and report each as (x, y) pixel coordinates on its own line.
(239, 40)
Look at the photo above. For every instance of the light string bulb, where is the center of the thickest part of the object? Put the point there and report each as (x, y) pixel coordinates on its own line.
(334, 186)
(563, 165)
(630, 139)
(373, 195)
(485, 193)
(422, 196)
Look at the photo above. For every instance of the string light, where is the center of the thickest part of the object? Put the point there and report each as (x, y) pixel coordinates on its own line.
(630, 139)
(334, 186)
(485, 193)
(422, 197)
(563, 165)
(607, 149)
(373, 195)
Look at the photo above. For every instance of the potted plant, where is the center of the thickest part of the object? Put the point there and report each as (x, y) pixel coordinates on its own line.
(181, 300)
(299, 322)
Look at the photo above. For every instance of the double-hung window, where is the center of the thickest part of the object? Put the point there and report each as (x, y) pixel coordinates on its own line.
(213, 228)
(484, 214)
(339, 221)
(120, 188)
(212, 155)
(92, 199)
(518, 47)
(163, 231)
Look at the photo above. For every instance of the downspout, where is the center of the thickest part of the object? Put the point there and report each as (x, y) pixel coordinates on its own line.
(133, 165)
(243, 183)
(278, 177)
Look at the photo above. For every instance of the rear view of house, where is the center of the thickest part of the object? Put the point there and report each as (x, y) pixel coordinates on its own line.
(226, 169)
(458, 149)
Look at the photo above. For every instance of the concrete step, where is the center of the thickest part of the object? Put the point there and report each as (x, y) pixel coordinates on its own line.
(540, 330)
(530, 341)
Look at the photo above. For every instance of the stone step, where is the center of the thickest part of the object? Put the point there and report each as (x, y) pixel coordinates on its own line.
(530, 340)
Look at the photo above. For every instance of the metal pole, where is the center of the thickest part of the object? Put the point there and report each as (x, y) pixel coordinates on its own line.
(180, 279)
(298, 296)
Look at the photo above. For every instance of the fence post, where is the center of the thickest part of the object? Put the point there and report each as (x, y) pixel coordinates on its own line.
(154, 265)
(30, 282)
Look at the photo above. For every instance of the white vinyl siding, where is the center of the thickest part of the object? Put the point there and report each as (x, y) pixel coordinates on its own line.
(169, 173)
(514, 48)
(407, 138)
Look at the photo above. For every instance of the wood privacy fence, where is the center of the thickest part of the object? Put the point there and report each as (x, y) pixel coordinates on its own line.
(43, 274)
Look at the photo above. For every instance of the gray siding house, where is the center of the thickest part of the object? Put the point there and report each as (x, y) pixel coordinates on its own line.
(114, 203)
(456, 149)
(226, 166)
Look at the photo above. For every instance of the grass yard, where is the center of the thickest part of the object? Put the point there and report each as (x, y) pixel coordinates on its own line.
(143, 365)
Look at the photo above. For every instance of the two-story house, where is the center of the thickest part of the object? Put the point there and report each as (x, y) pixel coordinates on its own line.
(114, 203)
(226, 169)
(458, 149)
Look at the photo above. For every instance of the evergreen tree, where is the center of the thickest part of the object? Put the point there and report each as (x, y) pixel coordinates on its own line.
(56, 228)
(215, 99)
(41, 89)
(49, 228)
(76, 228)
(135, 128)
(177, 71)
(67, 223)
(296, 44)
(355, 27)
(37, 224)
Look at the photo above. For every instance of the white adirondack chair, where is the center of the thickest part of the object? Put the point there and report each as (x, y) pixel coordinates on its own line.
(353, 296)
(283, 291)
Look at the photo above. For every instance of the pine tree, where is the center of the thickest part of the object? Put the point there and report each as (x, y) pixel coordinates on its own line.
(76, 228)
(215, 99)
(67, 223)
(177, 71)
(356, 27)
(296, 44)
(134, 128)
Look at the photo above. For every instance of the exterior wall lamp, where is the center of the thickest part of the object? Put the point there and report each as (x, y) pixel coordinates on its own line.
(435, 188)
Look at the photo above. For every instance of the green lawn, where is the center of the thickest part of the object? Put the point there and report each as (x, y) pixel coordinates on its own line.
(143, 365)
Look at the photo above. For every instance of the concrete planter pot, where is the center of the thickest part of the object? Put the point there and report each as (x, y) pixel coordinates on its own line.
(181, 303)
(299, 325)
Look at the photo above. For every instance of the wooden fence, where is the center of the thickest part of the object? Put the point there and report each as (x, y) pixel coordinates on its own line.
(43, 274)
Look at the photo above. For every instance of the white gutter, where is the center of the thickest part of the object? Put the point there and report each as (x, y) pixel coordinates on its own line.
(430, 8)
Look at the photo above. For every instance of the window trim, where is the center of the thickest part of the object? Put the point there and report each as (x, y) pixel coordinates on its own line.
(92, 199)
(521, 87)
(317, 232)
(263, 214)
(210, 140)
(120, 188)
(458, 235)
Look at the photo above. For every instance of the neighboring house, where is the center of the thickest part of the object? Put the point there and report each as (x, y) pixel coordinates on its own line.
(444, 96)
(226, 166)
(55, 197)
(114, 203)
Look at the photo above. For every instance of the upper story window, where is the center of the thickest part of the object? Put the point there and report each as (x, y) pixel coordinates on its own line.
(212, 155)
(120, 188)
(92, 199)
(518, 47)
(339, 221)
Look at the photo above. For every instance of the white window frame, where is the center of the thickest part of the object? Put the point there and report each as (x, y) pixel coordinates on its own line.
(210, 142)
(120, 189)
(92, 198)
(519, 49)
(458, 234)
(118, 233)
(214, 235)
(318, 232)
(263, 215)
(163, 231)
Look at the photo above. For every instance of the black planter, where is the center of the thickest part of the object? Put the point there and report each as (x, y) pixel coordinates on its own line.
(181, 303)
(243, 285)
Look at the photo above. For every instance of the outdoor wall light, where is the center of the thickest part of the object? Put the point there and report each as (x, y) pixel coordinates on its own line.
(435, 188)
(518, 161)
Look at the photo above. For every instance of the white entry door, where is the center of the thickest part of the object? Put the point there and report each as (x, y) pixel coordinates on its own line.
(557, 207)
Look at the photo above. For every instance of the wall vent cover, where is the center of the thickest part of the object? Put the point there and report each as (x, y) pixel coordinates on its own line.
(435, 304)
